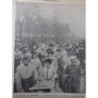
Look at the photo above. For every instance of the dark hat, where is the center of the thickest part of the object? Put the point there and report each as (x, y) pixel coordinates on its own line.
(51, 52)
(48, 60)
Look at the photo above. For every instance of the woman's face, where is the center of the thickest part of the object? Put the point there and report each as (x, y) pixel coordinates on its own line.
(50, 55)
(75, 61)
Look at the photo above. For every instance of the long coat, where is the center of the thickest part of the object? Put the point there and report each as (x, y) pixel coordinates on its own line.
(72, 84)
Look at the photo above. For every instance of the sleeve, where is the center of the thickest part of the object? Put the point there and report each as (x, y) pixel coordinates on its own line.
(39, 77)
(35, 74)
(54, 74)
(18, 81)
(42, 75)
(39, 62)
(55, 65)
(80, 71)
(67, 58)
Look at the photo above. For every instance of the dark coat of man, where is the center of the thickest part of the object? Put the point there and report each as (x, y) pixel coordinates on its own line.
(72, 83)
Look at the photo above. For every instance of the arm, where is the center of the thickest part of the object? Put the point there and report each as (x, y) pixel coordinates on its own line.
(54, 75)
(55, 65)
(39, 77)
(18, 81)
(67, 60)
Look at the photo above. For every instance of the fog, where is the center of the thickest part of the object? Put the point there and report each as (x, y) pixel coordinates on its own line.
(51, 19)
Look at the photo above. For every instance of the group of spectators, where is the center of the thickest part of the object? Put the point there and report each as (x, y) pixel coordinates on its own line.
(51, 63)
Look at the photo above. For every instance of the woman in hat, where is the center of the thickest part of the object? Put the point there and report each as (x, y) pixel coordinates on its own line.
(49, 74)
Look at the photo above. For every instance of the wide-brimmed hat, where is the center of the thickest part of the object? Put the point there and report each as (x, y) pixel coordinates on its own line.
(47, 60)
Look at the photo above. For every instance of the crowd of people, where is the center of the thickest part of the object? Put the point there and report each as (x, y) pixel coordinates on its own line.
(48, 63)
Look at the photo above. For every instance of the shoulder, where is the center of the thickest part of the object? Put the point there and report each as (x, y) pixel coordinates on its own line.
(32, 61)
(20, 67)
(38, 60)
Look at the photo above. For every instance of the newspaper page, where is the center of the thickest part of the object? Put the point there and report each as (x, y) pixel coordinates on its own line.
(49, 49)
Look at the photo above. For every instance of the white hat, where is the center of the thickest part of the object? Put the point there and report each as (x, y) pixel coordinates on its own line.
(28, 55)
(73, 57)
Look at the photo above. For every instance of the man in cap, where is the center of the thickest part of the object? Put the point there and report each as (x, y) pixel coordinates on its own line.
(24, 76)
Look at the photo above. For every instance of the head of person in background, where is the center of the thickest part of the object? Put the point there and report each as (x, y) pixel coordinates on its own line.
(62, 47)
(74, 60)
(42, 51)
(18, 54)
(35, 46)
(27, 50)
(50, 46)
(18, 46)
